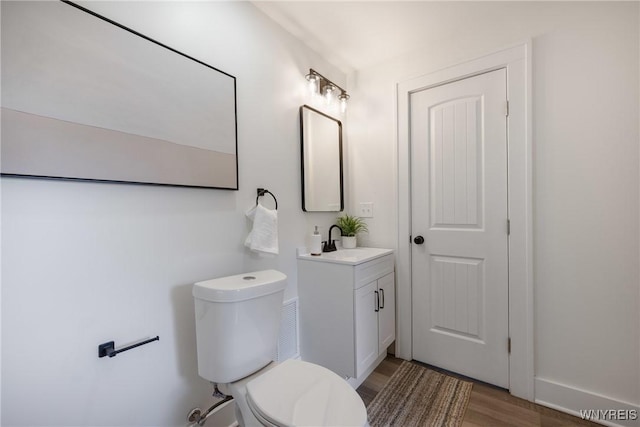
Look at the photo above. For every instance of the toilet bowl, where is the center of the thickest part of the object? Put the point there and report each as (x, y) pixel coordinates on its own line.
(296, 393)
(237, 325)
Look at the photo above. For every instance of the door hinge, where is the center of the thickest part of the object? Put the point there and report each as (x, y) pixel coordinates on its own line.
(506, 109)
(509, 345)
(508, 227)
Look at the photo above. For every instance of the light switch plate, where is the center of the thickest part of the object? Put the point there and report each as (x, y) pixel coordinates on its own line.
(366, 209)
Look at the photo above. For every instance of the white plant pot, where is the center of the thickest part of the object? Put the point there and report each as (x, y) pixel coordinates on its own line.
(348, 242)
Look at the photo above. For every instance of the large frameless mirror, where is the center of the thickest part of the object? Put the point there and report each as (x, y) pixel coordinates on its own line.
(321, 148)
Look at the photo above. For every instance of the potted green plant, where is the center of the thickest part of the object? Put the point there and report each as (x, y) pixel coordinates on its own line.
(350, 226)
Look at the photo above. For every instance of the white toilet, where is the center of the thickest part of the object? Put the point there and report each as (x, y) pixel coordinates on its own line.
(237, 326)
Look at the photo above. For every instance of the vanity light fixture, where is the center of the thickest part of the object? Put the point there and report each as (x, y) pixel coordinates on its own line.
(319, 84)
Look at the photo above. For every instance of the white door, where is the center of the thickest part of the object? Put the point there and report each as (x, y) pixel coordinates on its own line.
(459, 206)
(387, 313)
(366, 319)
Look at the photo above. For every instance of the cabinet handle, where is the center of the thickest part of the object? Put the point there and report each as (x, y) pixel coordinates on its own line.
(382, 294)
(377, 302)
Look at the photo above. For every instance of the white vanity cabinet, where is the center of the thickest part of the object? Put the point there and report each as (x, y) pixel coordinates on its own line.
(347, 309)
(374, 320)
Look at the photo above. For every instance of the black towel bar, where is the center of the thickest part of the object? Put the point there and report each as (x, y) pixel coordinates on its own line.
(262, 191)
(108, 348)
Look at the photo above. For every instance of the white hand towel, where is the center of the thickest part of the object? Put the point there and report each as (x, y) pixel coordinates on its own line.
(264, 234)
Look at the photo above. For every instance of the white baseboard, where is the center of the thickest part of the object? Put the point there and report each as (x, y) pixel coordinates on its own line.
(573, 400)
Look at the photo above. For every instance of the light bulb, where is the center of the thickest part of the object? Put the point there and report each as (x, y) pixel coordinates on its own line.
(314, 81)
(343, 101)
(329, 93)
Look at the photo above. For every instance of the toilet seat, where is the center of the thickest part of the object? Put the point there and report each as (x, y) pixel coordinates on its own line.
(297, 393)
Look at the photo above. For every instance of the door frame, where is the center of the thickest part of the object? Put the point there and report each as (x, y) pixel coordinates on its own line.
(517, 62)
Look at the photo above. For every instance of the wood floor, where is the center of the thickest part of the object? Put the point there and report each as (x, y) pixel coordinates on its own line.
(488, 405)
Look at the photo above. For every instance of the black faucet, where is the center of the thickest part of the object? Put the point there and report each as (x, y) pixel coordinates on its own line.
(330, 245)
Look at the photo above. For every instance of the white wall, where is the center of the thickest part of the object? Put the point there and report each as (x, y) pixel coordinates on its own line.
(84, 263)
(586, 181)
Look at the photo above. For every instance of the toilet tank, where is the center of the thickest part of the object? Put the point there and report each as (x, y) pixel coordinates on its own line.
(237, 323)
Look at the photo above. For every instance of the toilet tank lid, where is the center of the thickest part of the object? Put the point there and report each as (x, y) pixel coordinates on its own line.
(240, 287)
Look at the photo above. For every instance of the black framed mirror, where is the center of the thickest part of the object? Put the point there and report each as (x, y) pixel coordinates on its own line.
(321, 155)
(86, 98)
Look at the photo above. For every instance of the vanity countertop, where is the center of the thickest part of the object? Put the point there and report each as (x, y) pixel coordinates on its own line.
(348, 256)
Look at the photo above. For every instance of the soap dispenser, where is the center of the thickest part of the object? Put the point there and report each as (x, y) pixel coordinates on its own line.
(316, 243)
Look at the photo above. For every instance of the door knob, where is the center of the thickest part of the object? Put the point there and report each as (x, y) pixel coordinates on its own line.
(418, 240)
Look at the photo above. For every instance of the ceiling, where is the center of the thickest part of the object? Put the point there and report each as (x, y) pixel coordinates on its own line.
(355, 34)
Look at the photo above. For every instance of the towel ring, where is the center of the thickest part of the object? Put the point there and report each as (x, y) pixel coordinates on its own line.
(262, 191)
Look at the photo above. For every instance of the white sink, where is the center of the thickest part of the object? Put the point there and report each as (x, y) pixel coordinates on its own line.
(348, 256)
